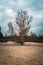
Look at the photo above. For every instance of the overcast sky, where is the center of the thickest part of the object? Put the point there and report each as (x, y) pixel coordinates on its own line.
(9, 8)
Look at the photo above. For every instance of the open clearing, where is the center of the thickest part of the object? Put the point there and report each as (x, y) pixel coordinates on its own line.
(28, 54)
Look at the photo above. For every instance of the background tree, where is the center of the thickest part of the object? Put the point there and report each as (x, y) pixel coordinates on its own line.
(1, 35)
(11, 28)
(33, 34)
(0, 28)
(23, 21)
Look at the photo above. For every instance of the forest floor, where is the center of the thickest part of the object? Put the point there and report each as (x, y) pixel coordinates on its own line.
(30, 53)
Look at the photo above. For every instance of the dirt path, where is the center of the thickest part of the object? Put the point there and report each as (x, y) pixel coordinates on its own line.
(21, 55)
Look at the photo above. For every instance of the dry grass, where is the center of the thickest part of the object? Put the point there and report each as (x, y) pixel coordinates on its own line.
(28, 54)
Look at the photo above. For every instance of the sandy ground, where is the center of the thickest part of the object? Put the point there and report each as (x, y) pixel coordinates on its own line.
(27, 54)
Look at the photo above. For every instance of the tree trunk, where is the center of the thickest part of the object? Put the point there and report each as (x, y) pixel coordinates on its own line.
(21, 39)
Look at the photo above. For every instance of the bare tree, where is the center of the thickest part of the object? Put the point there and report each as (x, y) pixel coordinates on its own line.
(11, 28)
(23, 21)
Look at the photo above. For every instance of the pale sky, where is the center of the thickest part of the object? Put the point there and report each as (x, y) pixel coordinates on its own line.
(9, 8)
